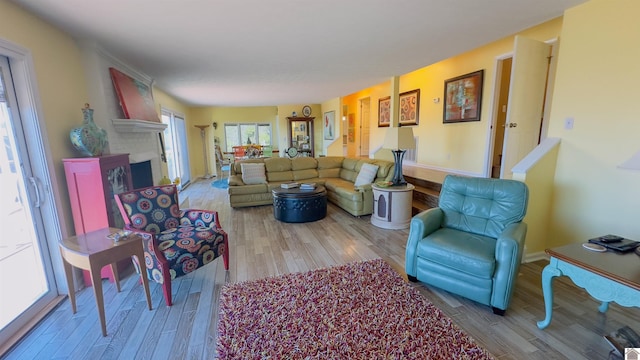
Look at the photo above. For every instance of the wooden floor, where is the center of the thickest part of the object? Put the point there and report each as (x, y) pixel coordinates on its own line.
(261, 246)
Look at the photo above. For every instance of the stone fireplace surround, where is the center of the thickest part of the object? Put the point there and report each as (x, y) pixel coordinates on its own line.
(137, 138)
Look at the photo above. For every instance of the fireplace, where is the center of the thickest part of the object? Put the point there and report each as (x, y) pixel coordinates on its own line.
(141, 174)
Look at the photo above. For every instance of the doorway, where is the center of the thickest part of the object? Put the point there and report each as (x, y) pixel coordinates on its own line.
(27, 211)
(522, 99)
(175, 144)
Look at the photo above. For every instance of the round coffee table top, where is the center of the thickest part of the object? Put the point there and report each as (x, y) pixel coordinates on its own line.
(299, 193)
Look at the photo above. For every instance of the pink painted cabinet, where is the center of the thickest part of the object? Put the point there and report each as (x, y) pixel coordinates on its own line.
(92, 183)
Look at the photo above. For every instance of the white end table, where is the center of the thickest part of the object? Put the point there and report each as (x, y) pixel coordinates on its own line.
(392, 206)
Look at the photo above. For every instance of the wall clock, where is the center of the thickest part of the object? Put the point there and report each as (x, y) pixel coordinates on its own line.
(292, 152)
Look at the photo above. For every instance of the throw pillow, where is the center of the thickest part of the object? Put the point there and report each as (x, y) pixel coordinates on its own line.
(366, 175)
(253, 174)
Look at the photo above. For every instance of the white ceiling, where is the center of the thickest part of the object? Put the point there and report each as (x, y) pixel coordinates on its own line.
(276, 52)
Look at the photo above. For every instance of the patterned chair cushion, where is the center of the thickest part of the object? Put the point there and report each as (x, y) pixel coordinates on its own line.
(186, 248)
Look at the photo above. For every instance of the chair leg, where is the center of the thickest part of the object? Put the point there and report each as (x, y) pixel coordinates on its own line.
(498, 311)
(166, 286)
(166, 290)
(412, 278)
(225, 254)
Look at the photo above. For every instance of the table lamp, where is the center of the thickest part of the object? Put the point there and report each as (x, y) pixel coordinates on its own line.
(399, 139)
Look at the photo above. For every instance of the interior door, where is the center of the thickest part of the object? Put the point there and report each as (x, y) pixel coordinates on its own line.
(364, 126)
(526, 101)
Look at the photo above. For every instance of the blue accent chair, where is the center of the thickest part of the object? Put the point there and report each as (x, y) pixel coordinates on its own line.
(472, 243)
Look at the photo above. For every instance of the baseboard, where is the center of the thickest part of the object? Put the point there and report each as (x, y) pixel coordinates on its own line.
(531, 257)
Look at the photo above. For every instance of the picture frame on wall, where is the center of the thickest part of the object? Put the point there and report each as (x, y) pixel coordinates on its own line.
(329, 124)
(135, 97)
(409, 108)
(463, 98)
(384, 111)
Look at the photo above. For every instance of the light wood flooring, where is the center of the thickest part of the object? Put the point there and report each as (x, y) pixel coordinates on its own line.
(261, 246)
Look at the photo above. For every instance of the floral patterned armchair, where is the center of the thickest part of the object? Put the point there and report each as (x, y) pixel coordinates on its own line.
(175, 242)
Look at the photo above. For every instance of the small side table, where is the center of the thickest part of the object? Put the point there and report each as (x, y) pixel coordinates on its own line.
(392, 206)
(94, 250)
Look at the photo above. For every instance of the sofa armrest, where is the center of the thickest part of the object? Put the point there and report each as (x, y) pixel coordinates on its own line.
(235, 180)
(363, 188)
(421, 226)
(509, 249)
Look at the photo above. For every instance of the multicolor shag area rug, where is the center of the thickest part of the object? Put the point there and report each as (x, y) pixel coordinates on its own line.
(363, 310)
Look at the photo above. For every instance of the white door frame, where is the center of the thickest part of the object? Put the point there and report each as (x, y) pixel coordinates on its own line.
(491, 130)
(43, 171)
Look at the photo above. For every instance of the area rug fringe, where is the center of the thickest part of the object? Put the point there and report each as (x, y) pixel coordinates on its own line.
(361, 310)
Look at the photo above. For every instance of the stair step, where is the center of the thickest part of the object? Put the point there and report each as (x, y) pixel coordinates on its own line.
(423, 199)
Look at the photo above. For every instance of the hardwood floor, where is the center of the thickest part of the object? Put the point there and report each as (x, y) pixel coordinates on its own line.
(261, 246)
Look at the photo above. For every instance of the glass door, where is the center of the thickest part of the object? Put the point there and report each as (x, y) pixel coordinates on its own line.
(27, 283)
(175, 144)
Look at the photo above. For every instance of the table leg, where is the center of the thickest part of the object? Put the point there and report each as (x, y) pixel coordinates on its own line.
(116, 275)
(97, 291)
(143, 277)
(549, 272)
(604, 307)
(68, 273)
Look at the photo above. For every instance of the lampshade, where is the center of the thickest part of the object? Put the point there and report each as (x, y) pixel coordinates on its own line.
(399, 138)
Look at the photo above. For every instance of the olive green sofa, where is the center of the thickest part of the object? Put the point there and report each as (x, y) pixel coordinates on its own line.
(338, 175)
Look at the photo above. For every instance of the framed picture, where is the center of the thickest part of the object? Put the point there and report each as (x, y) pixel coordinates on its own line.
(306, 146)
(352, 120)
(409, 108)
(328, 124)
(352, 135)
(135, 97)
(463, 97)
(384, 115)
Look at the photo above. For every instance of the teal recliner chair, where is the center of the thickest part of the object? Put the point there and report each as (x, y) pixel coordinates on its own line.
(472, 243)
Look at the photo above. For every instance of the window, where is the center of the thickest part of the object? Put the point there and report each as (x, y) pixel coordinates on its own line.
(245, 134)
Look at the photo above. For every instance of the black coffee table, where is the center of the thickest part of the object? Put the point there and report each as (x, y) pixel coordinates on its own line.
(298, 206)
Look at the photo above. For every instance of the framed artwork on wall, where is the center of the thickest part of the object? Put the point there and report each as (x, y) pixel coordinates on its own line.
(384, 115)
(329, 123)
(463, 97)
(352, 135)
(135, 97)
(409, 108)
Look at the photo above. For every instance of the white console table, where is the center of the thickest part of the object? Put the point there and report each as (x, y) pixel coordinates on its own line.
(392, 206)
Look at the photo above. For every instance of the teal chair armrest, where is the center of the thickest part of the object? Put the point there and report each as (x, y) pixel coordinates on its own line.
(422, 225)
(509, 249)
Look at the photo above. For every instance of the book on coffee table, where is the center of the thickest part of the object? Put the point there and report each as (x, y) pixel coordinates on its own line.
(307, 186)
(623, 245)
(289, 185)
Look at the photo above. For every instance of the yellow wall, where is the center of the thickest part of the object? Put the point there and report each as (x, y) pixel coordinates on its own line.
(539, 179)
(61, 86)
(282, 128)
(164, 101)
(331, 147)
(376, 134)
(220, 115)
(597, 85)
(459, 146)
